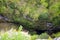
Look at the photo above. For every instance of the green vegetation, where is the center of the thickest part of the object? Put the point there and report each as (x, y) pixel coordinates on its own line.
(32, 15)
(34, 37)
(44, 36)
(14, 35)
(56, 34)
(21, 35)
(27, 12)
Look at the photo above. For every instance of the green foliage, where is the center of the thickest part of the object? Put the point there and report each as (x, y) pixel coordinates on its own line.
(50, 38)
(20, 28)
(57, 34)
(27, 12)
(30, 10)
(44, 16)
(34, 37)
(44, 3)
(13, 35)
(44, 36)
(55, 13)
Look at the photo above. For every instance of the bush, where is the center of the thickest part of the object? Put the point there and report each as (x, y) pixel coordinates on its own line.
(15, 35)
(34, 37)
(43, 16)
(57, 34)
(50, 38)
(43, 36)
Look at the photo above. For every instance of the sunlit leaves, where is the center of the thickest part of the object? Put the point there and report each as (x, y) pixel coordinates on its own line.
(15, 1)
(2, 9)
(55, 13)
(27, 10)
(57, 34)
(44, 3)
(55, 8)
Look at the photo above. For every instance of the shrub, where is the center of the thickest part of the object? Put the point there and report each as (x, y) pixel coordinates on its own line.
(43, 36)
(34, 37)
(50, 38)
(15, 35)
(57, 34)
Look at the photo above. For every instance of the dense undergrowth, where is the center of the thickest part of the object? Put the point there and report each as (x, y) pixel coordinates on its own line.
(15, 35)
(33, 15)
(22, 35)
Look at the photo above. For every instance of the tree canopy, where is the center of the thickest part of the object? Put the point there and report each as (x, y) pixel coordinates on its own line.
(32, 13)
